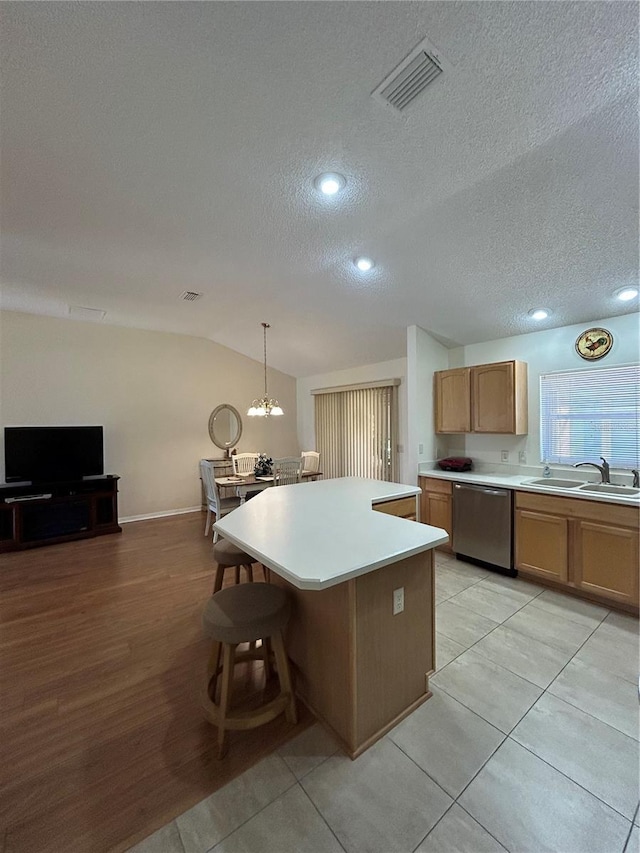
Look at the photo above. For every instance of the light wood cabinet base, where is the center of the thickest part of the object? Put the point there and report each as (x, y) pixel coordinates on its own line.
(359, 668)
(584, 547)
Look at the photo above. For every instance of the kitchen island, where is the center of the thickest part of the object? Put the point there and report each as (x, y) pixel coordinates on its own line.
(359, 667)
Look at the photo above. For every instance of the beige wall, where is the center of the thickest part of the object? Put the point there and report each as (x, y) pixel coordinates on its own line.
(152, 391)
(424, 356)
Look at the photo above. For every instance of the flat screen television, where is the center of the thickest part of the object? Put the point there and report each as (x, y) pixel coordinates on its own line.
(52, 454)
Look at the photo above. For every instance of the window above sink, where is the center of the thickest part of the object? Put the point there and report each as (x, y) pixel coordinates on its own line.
(591, 412)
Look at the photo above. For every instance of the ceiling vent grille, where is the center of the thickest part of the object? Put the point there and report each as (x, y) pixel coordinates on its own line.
(420, 68)
(190, 295)
(78, 312)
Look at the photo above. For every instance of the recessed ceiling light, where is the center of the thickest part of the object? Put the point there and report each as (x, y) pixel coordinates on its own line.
(625, 294)
(364, 264)
(330, 183)
(538, 314)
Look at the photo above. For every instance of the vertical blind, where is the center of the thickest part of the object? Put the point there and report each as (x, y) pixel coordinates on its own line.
(356, 432)
(585, 414)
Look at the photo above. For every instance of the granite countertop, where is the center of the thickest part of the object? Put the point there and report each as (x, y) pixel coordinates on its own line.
(319, 534)
(521, 483)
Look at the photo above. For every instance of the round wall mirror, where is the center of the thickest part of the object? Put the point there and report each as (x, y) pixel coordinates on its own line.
(225, 426)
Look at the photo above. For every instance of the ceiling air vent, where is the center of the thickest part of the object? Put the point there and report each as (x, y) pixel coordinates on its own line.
(420, 68)
(78, 312)
(190, 295)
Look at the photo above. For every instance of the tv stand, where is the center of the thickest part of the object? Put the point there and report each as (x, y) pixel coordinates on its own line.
(34, 514)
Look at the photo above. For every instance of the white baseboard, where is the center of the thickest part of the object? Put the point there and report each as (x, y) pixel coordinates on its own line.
(161, 514)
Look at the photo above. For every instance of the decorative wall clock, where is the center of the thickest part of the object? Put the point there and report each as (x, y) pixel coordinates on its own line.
(594, 344)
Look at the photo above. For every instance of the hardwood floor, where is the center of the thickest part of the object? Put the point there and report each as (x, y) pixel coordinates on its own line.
(101, 648)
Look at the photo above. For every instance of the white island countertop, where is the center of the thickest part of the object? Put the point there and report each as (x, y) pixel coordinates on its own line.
(319, 534)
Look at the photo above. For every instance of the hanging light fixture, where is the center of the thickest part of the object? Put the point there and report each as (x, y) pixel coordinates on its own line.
(265, 406)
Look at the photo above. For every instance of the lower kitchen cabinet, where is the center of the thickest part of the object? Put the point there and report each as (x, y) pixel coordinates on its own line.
(436, 505)
(588, 546)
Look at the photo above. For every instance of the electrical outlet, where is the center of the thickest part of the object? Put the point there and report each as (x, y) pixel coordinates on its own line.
(504, 455)
(421, 449)
(522, 457)
(398, 600)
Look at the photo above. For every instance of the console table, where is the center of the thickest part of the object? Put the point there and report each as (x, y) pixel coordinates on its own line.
(47, 513)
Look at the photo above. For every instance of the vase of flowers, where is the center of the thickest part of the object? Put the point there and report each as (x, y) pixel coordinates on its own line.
(263, 466)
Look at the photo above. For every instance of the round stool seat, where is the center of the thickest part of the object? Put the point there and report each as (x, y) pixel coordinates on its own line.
(225, 553)
(246, 612)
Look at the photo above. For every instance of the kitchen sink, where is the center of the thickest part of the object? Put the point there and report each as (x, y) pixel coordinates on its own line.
(609, 489)
(555, 482)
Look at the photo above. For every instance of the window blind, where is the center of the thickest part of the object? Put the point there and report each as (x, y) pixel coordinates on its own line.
(356, 432)
(585, 414)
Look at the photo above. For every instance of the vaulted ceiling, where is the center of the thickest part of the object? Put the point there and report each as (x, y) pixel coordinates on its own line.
(153, 148)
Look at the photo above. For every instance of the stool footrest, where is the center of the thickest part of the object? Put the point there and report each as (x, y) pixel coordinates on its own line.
(247, 719)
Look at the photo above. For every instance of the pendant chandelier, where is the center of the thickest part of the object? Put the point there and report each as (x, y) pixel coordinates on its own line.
(265, 406)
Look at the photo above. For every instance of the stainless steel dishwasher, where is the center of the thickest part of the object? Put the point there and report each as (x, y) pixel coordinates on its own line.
(482, 525)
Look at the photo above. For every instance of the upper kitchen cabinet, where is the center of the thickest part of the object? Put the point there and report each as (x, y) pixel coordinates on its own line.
(453, 400)
(499, 397)
(485, 398)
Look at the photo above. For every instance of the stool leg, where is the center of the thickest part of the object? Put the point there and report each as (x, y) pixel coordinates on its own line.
(217, 584)
(249, 569)
(237, 574)
(266, 656)
(284, 676)
(228, 662)
(212, 669)
(267, 574)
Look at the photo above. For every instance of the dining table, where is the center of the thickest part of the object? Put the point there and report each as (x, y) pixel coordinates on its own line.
(250, 482)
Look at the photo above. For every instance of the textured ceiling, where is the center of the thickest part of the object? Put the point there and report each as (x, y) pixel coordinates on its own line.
(151, 148)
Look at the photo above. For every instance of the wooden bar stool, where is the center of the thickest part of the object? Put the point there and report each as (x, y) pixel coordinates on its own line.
(243, 614)
(227, 556)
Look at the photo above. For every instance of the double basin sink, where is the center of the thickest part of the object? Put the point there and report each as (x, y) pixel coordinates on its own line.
(603, 488)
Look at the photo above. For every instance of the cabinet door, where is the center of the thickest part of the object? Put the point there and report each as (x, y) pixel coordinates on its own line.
(452, 400)
(542, 545)
(606, 561)
(493, 396)
(439, 511)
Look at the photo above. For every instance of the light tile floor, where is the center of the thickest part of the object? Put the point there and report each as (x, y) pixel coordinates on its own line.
(529, 744)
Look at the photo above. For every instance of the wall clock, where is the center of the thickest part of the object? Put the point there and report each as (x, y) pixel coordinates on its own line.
(594, 344)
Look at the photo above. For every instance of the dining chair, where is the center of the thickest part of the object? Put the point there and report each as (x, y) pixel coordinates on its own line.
(310, 463)
(215, 504)
(244, 463)
(287, 471)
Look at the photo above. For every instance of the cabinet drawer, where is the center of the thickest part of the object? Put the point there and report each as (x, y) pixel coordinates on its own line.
(432, 484)
(403, 507)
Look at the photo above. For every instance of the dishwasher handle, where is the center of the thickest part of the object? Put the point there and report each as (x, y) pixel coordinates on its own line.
(484, 489)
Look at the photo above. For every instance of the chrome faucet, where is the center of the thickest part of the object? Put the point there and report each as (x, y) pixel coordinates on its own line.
(636, 478)
(604, 468)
